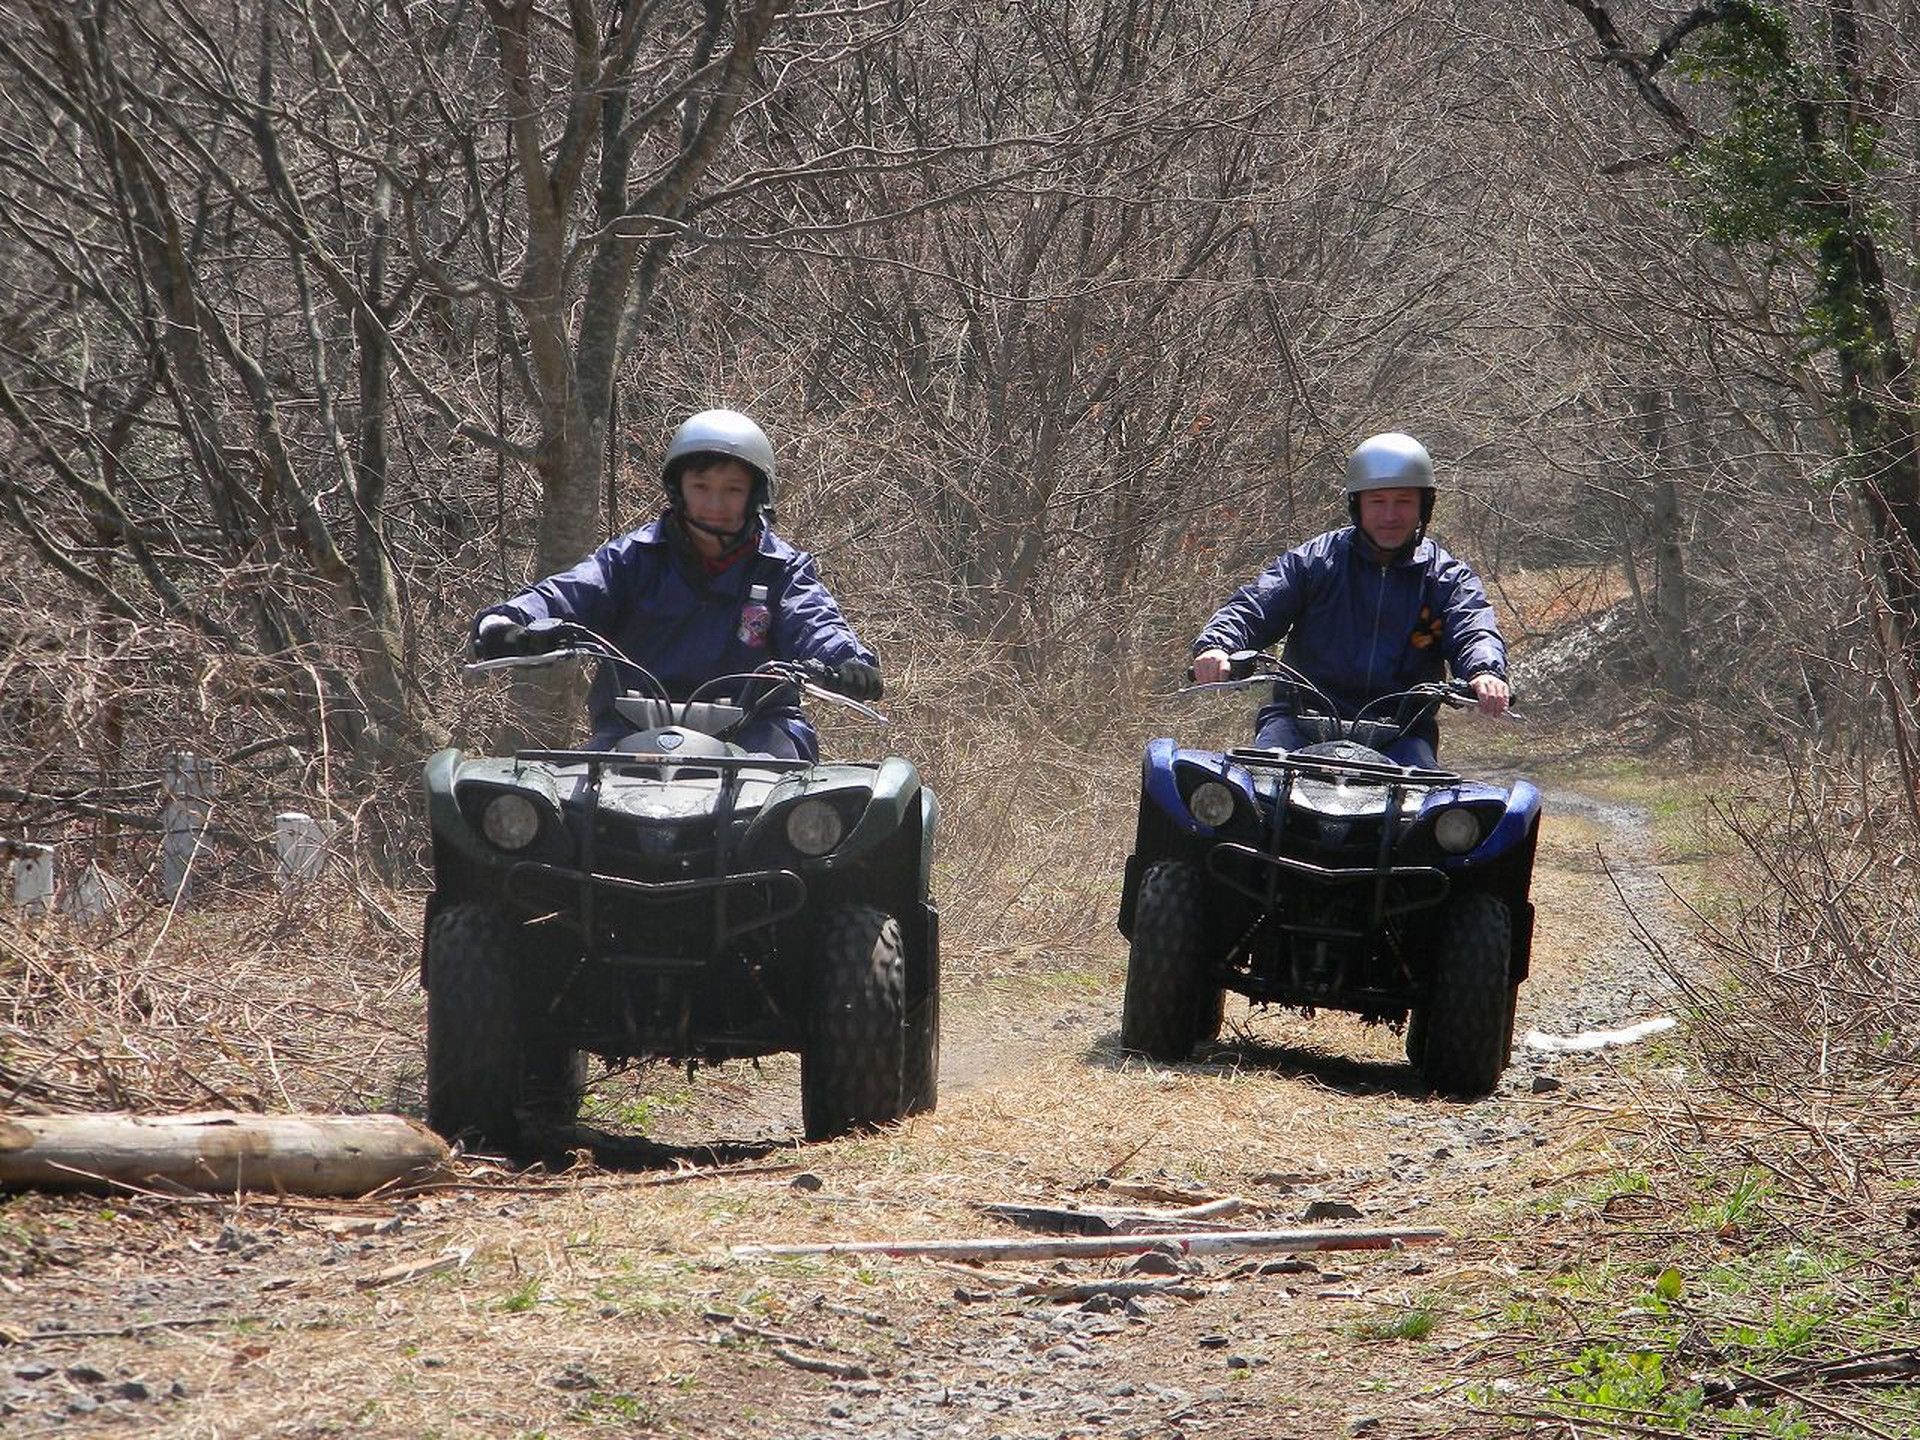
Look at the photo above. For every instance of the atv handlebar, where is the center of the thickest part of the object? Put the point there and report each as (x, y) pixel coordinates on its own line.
(1247, 668)
(549, 641)
(817, 678)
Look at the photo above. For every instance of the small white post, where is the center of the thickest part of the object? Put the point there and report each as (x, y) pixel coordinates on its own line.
(301, 843)
(186, 789)
(32, 876)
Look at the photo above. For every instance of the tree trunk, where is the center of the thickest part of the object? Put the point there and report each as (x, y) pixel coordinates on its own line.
(1670, 591)
(1673, 660)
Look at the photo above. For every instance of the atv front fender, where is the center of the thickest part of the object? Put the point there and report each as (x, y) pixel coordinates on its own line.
(884, 793)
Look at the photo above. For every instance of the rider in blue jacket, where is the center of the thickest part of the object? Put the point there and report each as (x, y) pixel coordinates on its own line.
(1368, 610)
(705, 590)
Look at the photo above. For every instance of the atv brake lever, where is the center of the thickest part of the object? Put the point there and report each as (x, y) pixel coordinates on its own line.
(820, 692)
(524, 662)
(1197, 688)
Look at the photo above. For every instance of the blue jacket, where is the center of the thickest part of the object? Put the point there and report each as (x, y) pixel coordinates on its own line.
(687, 628)
(1360, 630)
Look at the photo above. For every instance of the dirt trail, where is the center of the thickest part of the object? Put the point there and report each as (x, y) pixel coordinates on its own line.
(609, 1301)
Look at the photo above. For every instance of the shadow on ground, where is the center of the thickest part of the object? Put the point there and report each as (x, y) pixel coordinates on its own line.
(1235, 1054)
(563, 1147)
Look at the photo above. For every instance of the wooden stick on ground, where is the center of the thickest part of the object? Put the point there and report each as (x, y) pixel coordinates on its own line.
(1084, 1247)
(219, 1151)
(839, 1369)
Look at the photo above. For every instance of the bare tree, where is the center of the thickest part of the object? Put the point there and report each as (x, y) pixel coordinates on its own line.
(1779, 119)
(227, 254)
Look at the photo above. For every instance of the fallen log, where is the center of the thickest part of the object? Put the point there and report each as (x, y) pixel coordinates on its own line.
(221, 1151)
(1084, 1247)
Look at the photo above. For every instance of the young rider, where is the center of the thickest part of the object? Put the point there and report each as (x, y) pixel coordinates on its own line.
(707, 589)
(1368, 610)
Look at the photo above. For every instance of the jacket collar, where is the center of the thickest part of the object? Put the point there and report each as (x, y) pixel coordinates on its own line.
(1367, 553)
(654, 532)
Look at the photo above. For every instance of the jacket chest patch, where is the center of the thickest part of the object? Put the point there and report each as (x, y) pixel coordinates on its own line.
(1428, 630)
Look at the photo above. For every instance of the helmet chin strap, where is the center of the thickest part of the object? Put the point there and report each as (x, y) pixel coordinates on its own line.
(1383, 556)
(731, 537)
(677, 502)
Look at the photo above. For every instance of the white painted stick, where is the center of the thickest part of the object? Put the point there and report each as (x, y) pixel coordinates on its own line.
(1597, 1039)
(1185, 1242)
(186, 788)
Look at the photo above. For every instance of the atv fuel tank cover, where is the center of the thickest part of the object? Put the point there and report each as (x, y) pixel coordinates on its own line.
(661, 801)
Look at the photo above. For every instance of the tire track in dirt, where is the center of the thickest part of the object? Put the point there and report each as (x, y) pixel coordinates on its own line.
(1271, 1350)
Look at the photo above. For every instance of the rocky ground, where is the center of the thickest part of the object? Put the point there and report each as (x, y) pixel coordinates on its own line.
(609, 1298)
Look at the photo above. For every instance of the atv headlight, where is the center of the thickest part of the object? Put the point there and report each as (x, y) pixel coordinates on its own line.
(1456, 830)
(814, 827)
(510, 821)
(1211, 803)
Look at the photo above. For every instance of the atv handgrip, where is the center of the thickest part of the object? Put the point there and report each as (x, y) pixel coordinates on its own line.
(852, 678)
(1460, 695)
(1241, 665)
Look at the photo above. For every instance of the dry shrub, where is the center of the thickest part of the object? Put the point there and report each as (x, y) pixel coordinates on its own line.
(1820, 945)
(249, 1002)
(1038, 782)
(1806, 1012)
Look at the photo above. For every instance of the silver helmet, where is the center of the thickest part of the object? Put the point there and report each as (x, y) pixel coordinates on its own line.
(1388, 462)
(727, 433)
(1392, 461)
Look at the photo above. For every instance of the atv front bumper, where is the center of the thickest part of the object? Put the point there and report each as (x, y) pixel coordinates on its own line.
(1264, 878)
(736, 904)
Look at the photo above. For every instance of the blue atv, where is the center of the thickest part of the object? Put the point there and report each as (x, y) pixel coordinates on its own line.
(677, 897)
(1330, 877)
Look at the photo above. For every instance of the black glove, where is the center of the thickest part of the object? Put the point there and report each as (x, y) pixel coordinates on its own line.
(857, 680)
(496, 640)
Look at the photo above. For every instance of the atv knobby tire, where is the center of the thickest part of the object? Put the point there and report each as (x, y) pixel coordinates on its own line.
(1169, 1007)
(923, 1050)
(476, 1046)
(1417, 1036)
(854, 1069)
(1469, 1017)
(555, 1082)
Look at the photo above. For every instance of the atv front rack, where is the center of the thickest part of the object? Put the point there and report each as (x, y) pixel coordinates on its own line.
(1384, 771)
(598, 760)
(1421, 886)
(589, 885)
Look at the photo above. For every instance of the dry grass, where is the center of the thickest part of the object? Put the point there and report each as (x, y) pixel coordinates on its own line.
(1740, 1259)
(301, 1002)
